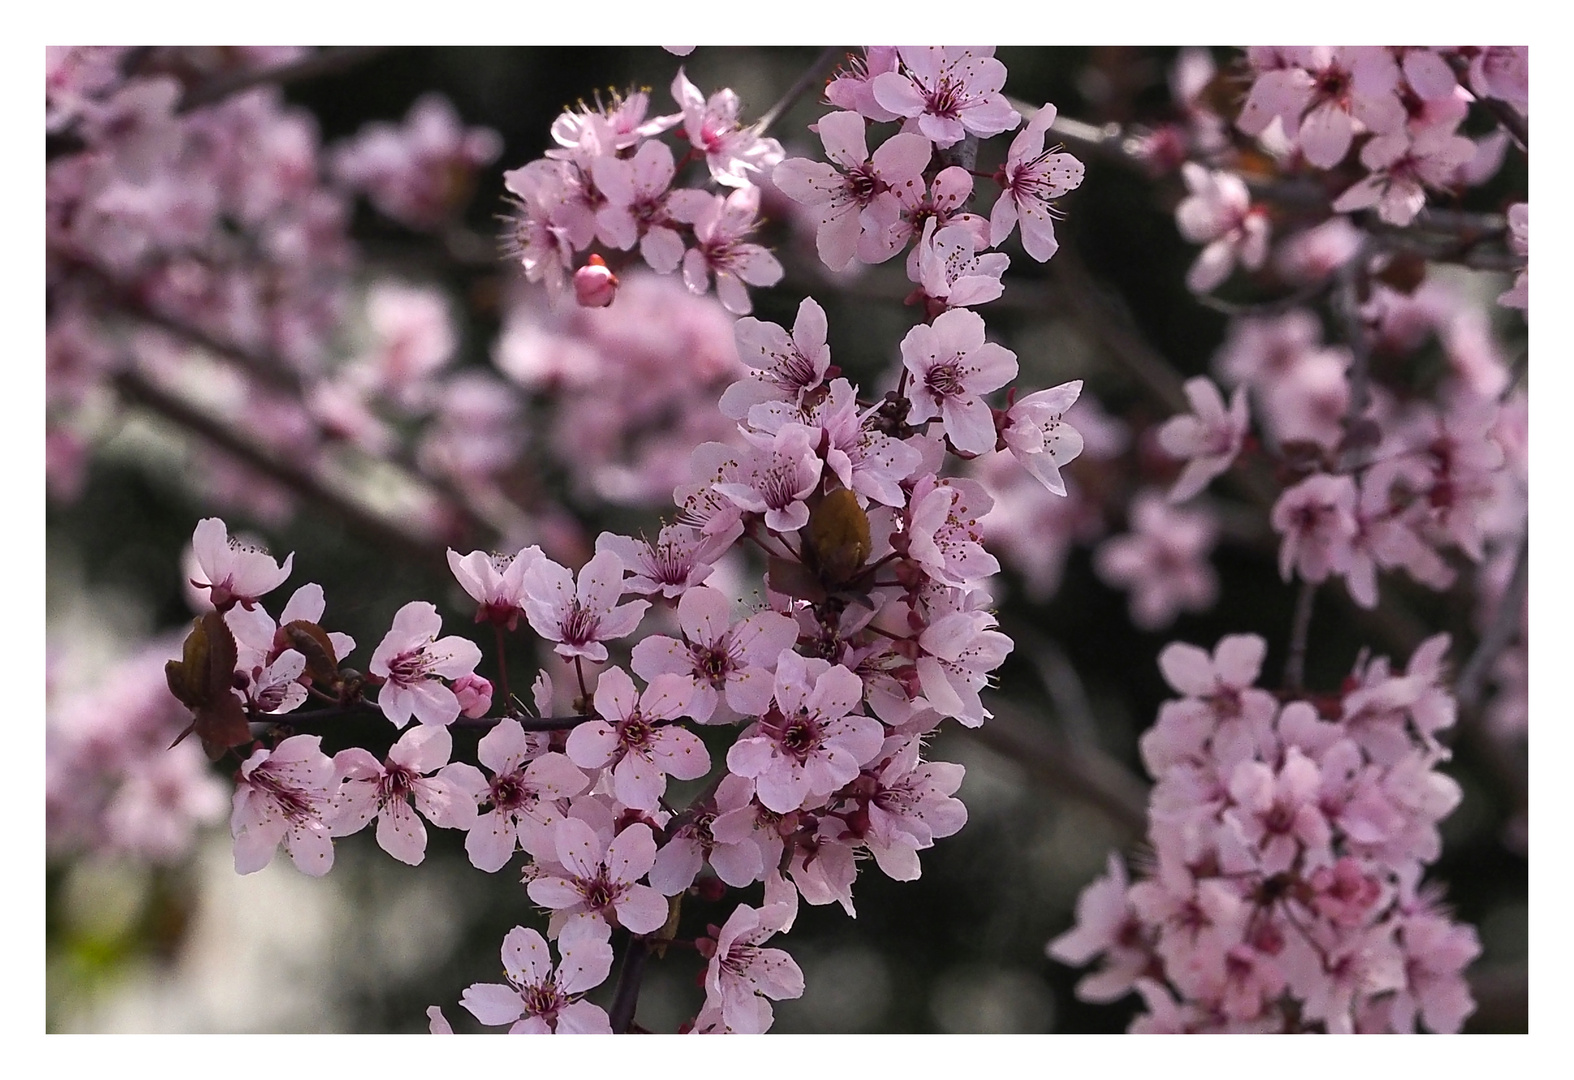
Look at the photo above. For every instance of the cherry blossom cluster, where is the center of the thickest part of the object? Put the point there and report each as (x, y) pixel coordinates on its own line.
(1399, 110)
(1290, 836)
(609, 180)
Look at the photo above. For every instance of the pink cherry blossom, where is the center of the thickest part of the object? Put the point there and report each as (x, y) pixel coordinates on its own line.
(234, 572)
(718, 659)
(1163, 561)
(853, 85)
(579, 618)
(599, 875)
(1317, 520)
(1519, 243)
(1402, 168)
(495, 582)
(1218, 213)
(538, 1000)
(527, 792)
(734, 153)
(720, 226)
(415, 662)
(911, 807)
(635, 738)
(1320, 95)
(1030, 180)
(943, 532)
(384, 790)
(958, 651)
(856, 196)
(284, 795)
(775, 477)
(951, 271)
(680, 559)
(784, 368)
(1207, 439)
(1034, 432)
(812, 742)
(952, 366)
(741, 975)
(638, 207)
(950, 92)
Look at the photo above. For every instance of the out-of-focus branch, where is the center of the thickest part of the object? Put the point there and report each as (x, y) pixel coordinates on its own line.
(1505, 623)
(326, 61)
(1085, 774)
(813, 74)
(138, 390)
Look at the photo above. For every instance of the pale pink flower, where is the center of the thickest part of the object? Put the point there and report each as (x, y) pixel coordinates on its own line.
(579, 618)
(943, 532)
(1219, 213)
(1402, 167)
(495, 582)
(1038, 438)
(784, 368)
(635, 738)
(856, 195)
(1163, 561)
(474, 694)
(537, 233)
(538, 1000)
(600, 874)
(737, 862)
(234, 572)
(958, 651)
(1208, 438)
(853, 86)
(720, 226)
(741, 975)
(717, 658)
(415, 662)
(527, 791)
(774, 478)
(284, 795)
(944, 201)
(950, 270)
(952, 367)
(638, 205)
(911, 807)
(1321, 94)
(950, 92)
(676, 562)
(1502, 72)
(1106, 924)
(735, 154)
(811, 742)
(384, 790)
(1317, 520)
(1030, 179)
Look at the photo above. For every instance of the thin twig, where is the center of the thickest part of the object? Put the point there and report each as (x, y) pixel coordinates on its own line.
(327, 61)
(815, 72)
(1300, 629)
(626, 997)
(137, 389)
(1505, 624)
(1352, 279)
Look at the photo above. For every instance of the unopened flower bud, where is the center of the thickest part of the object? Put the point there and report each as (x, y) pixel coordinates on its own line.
(474, 694)
(594, 284)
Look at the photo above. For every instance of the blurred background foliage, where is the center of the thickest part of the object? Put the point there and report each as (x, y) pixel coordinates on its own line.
(369, 947)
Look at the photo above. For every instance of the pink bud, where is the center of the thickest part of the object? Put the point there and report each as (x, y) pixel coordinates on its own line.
(594, 284)
(474, 694)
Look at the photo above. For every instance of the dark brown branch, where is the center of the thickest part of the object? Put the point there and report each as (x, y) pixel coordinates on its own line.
(1300, 629)
(326, 61)
(1505, 624)
(626, 998)
(137, 389)
(814, 73)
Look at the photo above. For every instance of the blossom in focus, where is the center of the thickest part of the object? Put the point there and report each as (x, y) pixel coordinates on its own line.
(579, 618)
(734, 153)
(284, 794)
(1031, 177)
(415, 662)
(1034, 432)
(595, 286)
(952, 366)
(947, 93)
(384, 790)
(741, 975)
(234, 572)
(720, 225)
(539, 1000)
